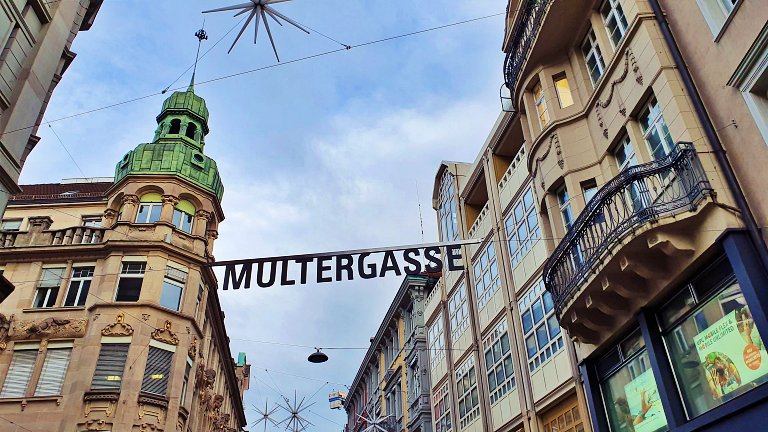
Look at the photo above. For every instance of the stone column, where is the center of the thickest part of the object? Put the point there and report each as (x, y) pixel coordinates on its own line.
(200, 226)
(130, 205)
(37, 226)
(169, 203)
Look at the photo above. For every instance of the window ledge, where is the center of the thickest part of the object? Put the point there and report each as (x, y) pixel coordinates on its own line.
(54, 309)
(153, 399)
(24, 401)
(110, 395)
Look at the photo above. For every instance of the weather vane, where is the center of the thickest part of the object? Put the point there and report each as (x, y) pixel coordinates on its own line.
(259, 9)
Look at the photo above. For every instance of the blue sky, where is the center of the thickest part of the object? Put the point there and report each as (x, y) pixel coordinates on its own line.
(319, 155)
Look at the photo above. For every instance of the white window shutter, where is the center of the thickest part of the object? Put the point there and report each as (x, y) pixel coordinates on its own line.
(19, 374)
(53, 373)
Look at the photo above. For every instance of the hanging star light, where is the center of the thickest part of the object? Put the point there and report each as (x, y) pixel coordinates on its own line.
(259, 9)
(266, 415)
(378, 423)
(295, 422)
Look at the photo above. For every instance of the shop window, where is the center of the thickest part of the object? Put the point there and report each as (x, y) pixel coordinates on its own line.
(150, 207)
(458, 312)
(110, 366)
(129, 284)
(615, 21)
(466, 392)
(564, 95)
(543, 337)
(441, 408)
(447, 211)
(716, 352)
(156, 372)
(522, 226)
(629, 388)
(183, 216)
(541, 105)
(593, 57)
(436, 342)
(498, 361)
(486, 274)
(48, 287)
(173, 287)
(79, 284)
(655, 130)
(566, 418)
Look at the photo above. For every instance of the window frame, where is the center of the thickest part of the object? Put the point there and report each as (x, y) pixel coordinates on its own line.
(717, 14)
(561, 91)
(130, 275)
(102, 359)
(457, 305)
(91, 221)
(181, 225)
(652, 111)
(540, 105)
(616, 12)
(4, 222)
(467, 391)
(483, 291)
(49, 290)
(436, 341)
(177, 278)
(441, 408)
(447, 212)
(81, 280)
(522, 247)
(504, 363)
(564, 201)
(544, 351)
(589, 47)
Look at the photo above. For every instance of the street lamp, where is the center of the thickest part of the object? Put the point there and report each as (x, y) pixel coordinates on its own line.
(317, 357)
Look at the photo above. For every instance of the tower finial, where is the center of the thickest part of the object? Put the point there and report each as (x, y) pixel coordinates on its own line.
(201, 36)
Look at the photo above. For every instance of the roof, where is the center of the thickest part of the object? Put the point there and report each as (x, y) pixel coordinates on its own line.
(61, 192)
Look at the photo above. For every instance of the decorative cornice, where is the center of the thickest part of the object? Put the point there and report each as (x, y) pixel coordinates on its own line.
(165, 334)
(118, 328)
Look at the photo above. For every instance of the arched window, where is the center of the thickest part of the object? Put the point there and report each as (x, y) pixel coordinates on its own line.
(150, 207)
(191, 129)
(183, 215)
(175, 126)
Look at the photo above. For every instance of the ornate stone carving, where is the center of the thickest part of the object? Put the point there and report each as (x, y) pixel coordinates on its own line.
(147, 427)
(48, 328)
(170, 199)
(131, 199)
(165, 334)
(151, 410)
(220, 421)
(5, 328)
(629, 61)
(553, 140)
(192, 351)
(105, 406)
(40, 223)
(118, 328)
(202, 214)
(100, 425)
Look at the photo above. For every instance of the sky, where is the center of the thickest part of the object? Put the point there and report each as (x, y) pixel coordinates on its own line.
(332, 153)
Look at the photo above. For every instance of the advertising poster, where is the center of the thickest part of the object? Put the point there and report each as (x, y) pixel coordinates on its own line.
(644, 403)
(731, 353)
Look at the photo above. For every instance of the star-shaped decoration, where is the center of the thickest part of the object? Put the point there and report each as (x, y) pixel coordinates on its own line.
(378, 423)
(266, 415)
(259, 9)
(295, 422)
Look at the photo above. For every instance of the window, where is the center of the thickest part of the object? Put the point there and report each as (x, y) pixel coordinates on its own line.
(441, 408)
(173, 286)
(498, 361)
(415, 379)
(458, 312)
(175, 126)
(150, 207)
(541, 105)
(625, 158)
(185, 383)
(752, 82)
(92, 221)
(564, 95)
(129, 284)
(466, 391)
(655, 130)
(593, 57)
(629, 388)
(48, 288)
(54, 370)
(11, 225)
(486, 274)
(615, 21)
(716, 352)
(716, 13)
(183, 216)
(79, 285)
(589, 189)
(199, 300)
(564, 200)
(522, 227)
(191, 129)
(20, 371)
(110, 366)
(436, 342)
(447, 211)
(540, 327)
(156, 373)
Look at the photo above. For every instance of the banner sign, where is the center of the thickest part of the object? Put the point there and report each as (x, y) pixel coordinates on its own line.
(343, 265)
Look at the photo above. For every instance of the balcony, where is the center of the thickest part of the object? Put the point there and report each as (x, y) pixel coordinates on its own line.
(643, 197)
(79, 235)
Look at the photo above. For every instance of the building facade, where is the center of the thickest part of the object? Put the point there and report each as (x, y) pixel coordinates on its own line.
(115, 323)
(617, 209)
(36, 37)
(391, 387)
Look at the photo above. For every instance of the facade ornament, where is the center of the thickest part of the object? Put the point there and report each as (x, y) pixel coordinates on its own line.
(40, 223)
(192, 351)
(553, 139)
(203, 214)
(148, 427)
(48, 328)
(165, 334)
(118, 328)
(145, 316)
(131, 199)
(170, 199)
(212, 234)
(629, 62)
(96, 425)
(5, 328)
(109, 216)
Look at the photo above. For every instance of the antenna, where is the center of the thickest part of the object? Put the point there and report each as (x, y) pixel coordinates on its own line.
(201, 35)
(421, 220)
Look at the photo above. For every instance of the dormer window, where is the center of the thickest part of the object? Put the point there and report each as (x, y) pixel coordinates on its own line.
(175, 127)
(191, 129)
(150, 208)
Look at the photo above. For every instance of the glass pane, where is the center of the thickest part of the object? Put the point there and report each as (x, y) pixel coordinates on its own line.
(717, 353)
(491, 381)
(632, 398)
(171, 296)
(154, 214)
(497, 351)
(554, 326)
(504, 344)
(538, 312)
(488, 358)
(528, 199)
(508, 367)
(129, 289)
(527, 321)
(541, 336)
(548, 303)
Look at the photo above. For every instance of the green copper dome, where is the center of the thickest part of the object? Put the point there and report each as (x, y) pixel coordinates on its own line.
(177, 148)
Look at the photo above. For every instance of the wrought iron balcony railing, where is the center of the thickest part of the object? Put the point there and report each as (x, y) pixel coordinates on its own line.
(638, 195)
(527, 27)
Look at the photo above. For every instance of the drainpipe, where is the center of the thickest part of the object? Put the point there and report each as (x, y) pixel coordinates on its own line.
(709, 130)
